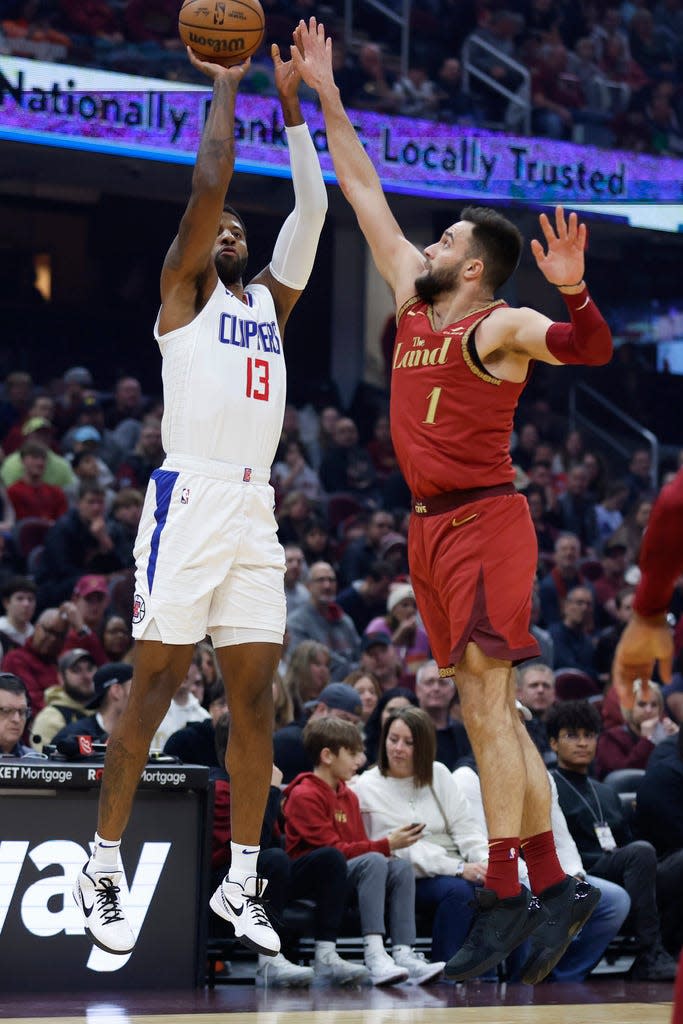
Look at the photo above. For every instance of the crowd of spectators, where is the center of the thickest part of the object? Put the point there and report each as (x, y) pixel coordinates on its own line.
(355, 647)
(601, 71)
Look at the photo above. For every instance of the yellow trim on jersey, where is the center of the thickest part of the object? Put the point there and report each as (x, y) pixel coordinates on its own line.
(469, 362)
(482, 309)
(409, 302)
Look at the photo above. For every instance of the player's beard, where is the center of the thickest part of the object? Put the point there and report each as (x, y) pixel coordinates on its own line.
(432, 283)
(230, 269)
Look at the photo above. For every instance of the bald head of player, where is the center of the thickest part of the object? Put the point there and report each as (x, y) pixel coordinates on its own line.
(478, 253)
(230, 252)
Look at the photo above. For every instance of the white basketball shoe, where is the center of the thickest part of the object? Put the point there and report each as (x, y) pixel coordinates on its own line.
(97, 896)
(242, 907)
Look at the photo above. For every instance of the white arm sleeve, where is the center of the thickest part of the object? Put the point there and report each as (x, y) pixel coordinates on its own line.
(297, 242)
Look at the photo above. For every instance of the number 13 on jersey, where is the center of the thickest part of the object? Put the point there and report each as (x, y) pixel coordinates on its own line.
(258, 381)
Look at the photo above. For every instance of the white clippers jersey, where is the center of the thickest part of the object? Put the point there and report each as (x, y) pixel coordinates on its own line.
(225, 381)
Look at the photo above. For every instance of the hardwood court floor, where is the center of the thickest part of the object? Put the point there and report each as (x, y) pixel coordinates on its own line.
(629, 1013)
(603, 1002)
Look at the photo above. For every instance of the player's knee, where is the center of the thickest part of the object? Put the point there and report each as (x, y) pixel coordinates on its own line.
(481, 698)
(254, 701)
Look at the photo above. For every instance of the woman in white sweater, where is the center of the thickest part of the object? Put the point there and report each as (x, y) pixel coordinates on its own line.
(407, 785)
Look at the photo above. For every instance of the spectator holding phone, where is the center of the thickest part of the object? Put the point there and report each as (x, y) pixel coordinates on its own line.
(449, 857)
(322, 811)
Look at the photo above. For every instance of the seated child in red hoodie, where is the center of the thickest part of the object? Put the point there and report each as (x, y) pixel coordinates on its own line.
(321, 811)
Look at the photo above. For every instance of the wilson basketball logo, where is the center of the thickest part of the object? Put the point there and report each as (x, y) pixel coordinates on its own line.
(233, 45)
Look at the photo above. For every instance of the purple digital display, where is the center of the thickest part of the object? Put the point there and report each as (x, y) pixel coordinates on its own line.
(419, 158)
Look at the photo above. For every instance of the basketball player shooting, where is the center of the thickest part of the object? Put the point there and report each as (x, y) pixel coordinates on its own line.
(461, 360)
(207, 555)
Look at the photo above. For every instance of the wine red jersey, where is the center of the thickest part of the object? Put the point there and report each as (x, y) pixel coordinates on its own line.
(451, 421)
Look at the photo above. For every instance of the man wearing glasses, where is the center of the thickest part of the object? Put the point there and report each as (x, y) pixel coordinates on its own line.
(36, 662)
(322, 619)
(14, 712)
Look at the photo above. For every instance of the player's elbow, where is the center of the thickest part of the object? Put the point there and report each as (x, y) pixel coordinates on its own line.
(318, 204)
(601, 349)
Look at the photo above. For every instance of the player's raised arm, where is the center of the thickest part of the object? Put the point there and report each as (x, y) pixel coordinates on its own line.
(648, 637)
(587, 339)
(188, 268)
(397, 260)
(297, 242)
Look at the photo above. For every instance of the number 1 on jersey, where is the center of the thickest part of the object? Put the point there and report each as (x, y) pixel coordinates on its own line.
(433, 397)
(258, 381)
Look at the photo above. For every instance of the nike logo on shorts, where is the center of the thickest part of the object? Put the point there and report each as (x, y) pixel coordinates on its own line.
(467, 519)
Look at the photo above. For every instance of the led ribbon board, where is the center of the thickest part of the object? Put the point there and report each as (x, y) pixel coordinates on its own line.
(82, 108)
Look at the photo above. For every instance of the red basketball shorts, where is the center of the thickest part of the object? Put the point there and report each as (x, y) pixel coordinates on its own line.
(473, 570)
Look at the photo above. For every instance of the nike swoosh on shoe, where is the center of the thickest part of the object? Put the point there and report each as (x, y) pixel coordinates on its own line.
(234, 910)
(87, 910)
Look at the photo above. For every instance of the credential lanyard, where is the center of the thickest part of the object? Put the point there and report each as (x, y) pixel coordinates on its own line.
(600, 819)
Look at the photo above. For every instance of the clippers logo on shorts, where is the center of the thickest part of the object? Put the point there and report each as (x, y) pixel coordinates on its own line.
(138, 608)
(246, 476)
(185, 496)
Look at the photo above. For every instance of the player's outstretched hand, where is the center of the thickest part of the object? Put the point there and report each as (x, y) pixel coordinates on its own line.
(233, 74)
(312, 55)
(287, 77)
(564, 262)
(643, 643)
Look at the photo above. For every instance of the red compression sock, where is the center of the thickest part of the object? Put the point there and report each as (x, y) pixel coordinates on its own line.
(502, 874)
(541, 859)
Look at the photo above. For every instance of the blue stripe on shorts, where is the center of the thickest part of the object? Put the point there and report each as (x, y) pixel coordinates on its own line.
(165, 482)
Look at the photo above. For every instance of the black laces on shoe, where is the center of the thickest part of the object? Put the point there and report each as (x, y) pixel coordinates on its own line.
(259, 911)
(107, 896)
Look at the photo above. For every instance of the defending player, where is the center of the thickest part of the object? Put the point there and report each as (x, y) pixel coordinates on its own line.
(207, 555)
(647, 638)
(460, 363)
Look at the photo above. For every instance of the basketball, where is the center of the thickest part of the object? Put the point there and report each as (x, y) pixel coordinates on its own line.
(222, 31)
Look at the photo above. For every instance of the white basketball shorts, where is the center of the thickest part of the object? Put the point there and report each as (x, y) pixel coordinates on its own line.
(207, 554)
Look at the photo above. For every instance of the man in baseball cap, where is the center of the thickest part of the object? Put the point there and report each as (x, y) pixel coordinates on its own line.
(91, 584)
(87, 435)
(67, 702)
(337, 699)
(58, 472)
(114, 673)
(379, 656)
(88, 604)
(371, 640)
(112, 687)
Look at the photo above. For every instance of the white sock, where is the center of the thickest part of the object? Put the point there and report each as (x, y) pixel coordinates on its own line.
(373, 944)
(105, 853)
(324, 948)
(243, 862)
